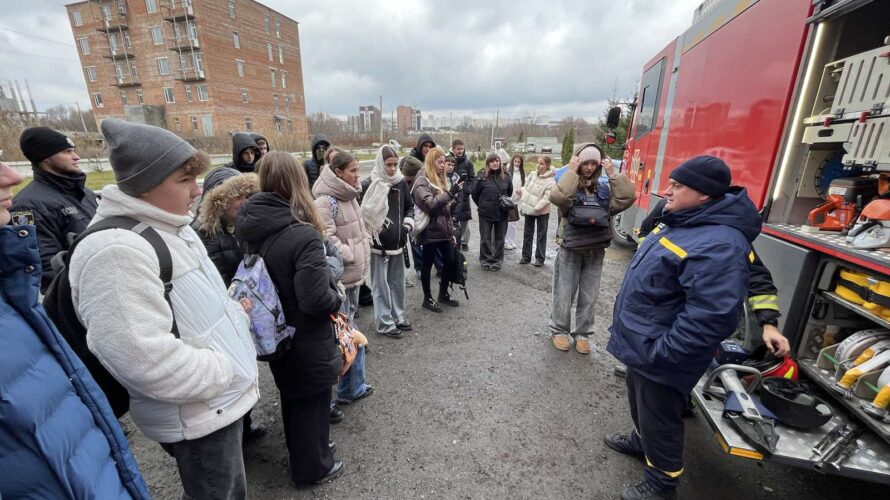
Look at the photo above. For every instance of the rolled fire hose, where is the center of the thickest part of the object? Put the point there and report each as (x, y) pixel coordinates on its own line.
(879, 406)
(852, 375)
(871, 352)
(851, 347)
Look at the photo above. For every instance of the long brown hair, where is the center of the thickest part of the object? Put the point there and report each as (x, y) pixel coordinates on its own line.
(280, 173)
(430, 171)
(521, 167)
(490, 158)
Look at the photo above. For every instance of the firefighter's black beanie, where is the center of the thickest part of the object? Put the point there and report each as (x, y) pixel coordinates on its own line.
(706, 174)
(39, 143)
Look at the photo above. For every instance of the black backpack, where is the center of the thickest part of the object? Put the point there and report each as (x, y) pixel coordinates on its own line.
(60, 309)
(456, 273)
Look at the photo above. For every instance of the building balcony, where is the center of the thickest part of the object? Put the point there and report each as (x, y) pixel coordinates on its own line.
(125, 80)
(178, 12)
(120, 52)
(113, 22)
(183, 43)
(189, 75)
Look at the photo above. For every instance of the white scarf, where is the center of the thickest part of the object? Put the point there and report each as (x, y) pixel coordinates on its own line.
(375, 204)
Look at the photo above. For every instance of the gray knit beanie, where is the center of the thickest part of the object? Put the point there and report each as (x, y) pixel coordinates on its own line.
(143, 156)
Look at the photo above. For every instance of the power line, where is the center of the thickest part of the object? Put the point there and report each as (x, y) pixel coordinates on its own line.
(36, 36)
(37, 55)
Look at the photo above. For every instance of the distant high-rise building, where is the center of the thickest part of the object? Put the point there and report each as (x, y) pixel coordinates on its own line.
(196, 67)
(369, 119)
(404, 119)
(415, 119)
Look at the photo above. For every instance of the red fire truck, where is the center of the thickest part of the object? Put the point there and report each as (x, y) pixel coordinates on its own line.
(792, 94)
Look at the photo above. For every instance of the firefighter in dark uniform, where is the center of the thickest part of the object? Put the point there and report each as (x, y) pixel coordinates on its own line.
(681, 296)
(57, 200)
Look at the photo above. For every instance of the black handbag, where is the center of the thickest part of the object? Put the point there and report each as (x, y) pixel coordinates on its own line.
(581, 215)
(504, 201)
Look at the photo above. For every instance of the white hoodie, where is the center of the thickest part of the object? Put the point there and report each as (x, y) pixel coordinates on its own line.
(181, 388)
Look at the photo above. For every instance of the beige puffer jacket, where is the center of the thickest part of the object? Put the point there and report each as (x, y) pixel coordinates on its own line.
(536, 194)
(346, 229)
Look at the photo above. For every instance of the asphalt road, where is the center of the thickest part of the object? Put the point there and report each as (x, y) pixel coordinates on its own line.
(476, 403)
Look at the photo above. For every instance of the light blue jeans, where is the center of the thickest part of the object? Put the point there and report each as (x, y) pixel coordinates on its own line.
(352, 383)
(576, 277)
(388, 289)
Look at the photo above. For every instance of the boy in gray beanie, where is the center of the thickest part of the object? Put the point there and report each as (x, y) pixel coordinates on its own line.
(192, 377)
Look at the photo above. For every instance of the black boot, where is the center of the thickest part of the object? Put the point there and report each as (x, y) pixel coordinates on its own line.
(645, 491)
(432, 305)
(446, 299)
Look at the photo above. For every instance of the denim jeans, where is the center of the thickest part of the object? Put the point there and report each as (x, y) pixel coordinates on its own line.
(464, 232)
(352, 383)
(349, 305)
(528, 236)
(491, 245)
(510, 237)
(575, 275)
(388, 289)
(211, 467)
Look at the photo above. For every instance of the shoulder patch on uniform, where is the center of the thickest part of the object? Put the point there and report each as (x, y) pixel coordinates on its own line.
(23, 218)
(670, 245)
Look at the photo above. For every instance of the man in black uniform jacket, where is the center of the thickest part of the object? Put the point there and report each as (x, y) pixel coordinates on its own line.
(57, 200)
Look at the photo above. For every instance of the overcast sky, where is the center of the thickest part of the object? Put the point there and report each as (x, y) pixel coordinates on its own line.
(551, 58)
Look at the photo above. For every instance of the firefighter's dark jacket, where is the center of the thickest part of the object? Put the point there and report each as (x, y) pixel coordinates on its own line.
(683, 291)
(762, 293)
(57, 205)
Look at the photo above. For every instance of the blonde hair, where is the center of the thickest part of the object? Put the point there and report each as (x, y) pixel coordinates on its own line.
(280, 173)
(430, 171)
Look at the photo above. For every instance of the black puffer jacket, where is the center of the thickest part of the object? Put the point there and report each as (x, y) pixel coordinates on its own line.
(393, 237)
(487, 192)
(313, 165)
(57, 205)
(464, 169)
(437, 204)
(420, 140)
(240, 142)
(306, 288)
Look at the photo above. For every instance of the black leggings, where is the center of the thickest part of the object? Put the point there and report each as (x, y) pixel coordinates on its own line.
(430, 251)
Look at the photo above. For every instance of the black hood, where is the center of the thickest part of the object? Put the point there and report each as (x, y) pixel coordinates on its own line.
(735, 210)
(216, 177)
(262, 215)
(420, 141)
(316, 140)
(240, 142)
(258, 137)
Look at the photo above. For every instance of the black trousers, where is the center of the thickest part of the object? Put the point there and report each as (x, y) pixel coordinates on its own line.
(528, 235)
(491, 242)
(657, 413)
(431, 251)
(306, 433)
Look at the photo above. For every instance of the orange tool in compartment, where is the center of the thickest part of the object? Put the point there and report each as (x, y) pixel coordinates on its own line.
(846, 197)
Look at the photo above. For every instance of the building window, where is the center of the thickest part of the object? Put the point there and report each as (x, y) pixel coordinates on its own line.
(232, 8)
(127, 42)
(267, 26)
(286, 104)
(248, 123)
(194, 123)
(177, 126)
(78, 20)
(168, 95)
(236, 39)
(112, 42)
(119, 71)
(284, 79)
(244, 97)
(140, 97)
(280, 54)
(91, 73)
(290, 125)
(157, 35)
(198, 59)
(151, 6)
(240, 65)
(202, 92)
(274, 77)
(84, 45)
(163, 65)
(97, 100)
(106, 11)
(277, 124)
(188, 93)
(124, 100)
(122, 7)
(269, 46)
(277, 28)
(276, 102)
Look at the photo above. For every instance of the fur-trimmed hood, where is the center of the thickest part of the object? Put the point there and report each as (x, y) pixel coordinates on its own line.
(214, 204)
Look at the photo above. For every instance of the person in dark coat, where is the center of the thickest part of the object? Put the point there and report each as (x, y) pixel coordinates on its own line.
(463, 209)
(60, 438)
(424, 143)
(245, 153)
(318, 146)
(261, 143)
(434, 195)
(490, 185)
(282, 222)
(57, 200)
(667, 334)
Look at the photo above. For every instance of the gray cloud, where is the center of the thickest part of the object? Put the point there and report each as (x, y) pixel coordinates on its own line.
(554, 58)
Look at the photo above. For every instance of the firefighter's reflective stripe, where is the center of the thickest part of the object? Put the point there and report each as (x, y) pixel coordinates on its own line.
(759, 302)
(751, 256)
(666, 473)
(670, 245)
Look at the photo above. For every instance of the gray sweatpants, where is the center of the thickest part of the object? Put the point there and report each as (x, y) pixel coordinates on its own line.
(388, 289)
(575, 274)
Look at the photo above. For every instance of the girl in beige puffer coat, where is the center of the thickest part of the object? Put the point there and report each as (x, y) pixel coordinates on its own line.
(535, 206)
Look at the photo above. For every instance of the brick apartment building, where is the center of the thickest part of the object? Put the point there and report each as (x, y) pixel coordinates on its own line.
(407, 119)
(200, 68)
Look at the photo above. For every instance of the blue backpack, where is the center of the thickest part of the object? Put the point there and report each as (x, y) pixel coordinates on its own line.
(253, 288)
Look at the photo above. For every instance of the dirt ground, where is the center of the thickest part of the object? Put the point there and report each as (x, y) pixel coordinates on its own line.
(476, 403)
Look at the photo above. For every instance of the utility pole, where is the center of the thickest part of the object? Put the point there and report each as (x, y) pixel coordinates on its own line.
(31, 98)
(82, 122)
(380, 115)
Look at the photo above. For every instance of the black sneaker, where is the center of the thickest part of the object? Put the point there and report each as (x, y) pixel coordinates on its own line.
(464, 247)
(448, 301)
(432, 305)
(393, 334)
(645, 491)
(620, 371)
(336, 415)
(621, 443)
(538, 263)
(405, 326)
(524, 260)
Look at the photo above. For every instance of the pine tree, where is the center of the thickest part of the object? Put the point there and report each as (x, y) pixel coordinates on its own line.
(568, 145)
